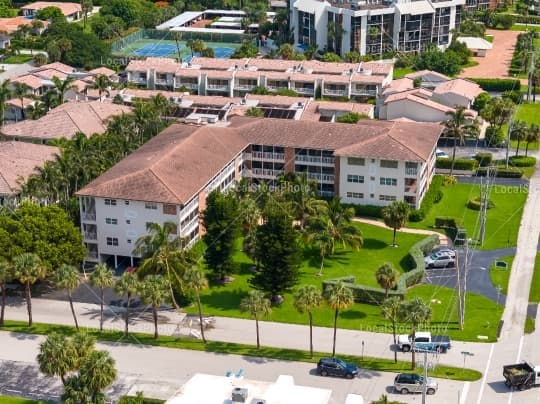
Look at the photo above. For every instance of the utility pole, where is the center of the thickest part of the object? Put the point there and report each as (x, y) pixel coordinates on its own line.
(459, 307)
(424, 386)
(463, 291)
(530, 75)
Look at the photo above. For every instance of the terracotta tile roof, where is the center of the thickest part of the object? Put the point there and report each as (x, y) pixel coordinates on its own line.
(273, 64)
(180, 72)
(419, 92)
(18, 160)
(303, 77)
(378, 68)
(248, 73)
(66, 120)
(105, 71)
(336, 78)
(412, 97)
(210, 100)
(11, 25)
(421, 73)
(359, 108)
(30, 80)
(275, 100)
(465, 88)
(172, 167)
(66, 8)
(159, 64)
(15, 102)
(140, 93)
(217, 64)
(367, 79)
(276, 75)
(399, 85)
(48, 74)
(316, 66)
(218, 74)
(56, 66)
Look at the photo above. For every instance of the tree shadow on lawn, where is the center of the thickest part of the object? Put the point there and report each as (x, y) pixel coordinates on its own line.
(352, 314)
(224, 299)
(313, 258)
(374, 244)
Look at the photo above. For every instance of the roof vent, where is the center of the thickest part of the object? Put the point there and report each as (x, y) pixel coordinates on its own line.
(239, 395)
(258, 401)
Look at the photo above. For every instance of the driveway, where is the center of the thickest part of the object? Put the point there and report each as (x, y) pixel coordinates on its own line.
(15, 70)
(497, 61)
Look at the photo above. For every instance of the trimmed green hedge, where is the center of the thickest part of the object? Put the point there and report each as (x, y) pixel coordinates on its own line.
(528, 19)
(497, 84)
(136, 400)
(510, 172)
(459, 164)
(433, 195)
(367, 210)
(443, 222)
(475, 204)
(522, 161)
(484, 159)
(373, 295)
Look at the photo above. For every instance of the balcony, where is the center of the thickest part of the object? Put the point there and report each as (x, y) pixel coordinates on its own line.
(138, 80)
(217, 87)
(363, 91)
(164, 82)
(267, 156)
(89, 217)
(314, 159)
(244, 86)
(276, 88)
(190, 85)
(265, 173)
(410, 189)
(304, 90)
(90, 235)
(91, 256)
(188, 228)
(322, 177)
(326, 194)
(334, 92)
(411, 172)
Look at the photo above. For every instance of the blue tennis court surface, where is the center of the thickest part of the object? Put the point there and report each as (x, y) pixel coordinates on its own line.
(155, 50)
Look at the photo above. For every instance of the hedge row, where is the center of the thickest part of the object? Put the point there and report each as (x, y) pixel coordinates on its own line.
(433, 195)
(367, 210)
(475, 204)
(484, 159)
(444, 222)
(459, 164)
(529, 19)
(498, 84)
(522, 161)
(136, 400)
(510, 172)
(374, 295)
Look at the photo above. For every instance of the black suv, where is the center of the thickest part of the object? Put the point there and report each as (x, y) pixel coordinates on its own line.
(336, 367)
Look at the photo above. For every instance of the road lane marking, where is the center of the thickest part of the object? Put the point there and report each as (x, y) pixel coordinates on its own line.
(485, 375)
(517, 361)
(464, 393)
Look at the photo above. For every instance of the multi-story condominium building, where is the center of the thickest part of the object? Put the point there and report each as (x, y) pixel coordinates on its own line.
(169, 178)
(237, 77)
(375, 27)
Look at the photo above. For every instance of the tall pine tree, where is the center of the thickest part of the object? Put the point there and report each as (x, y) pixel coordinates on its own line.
(222, 224)
(278, 253)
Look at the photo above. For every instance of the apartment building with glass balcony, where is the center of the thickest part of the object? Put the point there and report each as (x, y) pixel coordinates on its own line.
(376, 27)
(236, 78)
(169, 178)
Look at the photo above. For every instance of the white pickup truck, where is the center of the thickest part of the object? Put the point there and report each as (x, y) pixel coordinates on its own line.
(424, 341)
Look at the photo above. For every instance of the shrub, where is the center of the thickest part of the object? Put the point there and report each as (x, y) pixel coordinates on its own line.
(484, 159)
(459, 164)
(368, 210)
(495, 137)
(501, 21)
(497, 84)
(527, 19)
(432, 195)
(522, 161)
(511, 172)
(443, 222)
(449, 180)
(514, 95)
(475, 204)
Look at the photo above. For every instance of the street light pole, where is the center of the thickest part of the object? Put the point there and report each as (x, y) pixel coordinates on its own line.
(424, 387)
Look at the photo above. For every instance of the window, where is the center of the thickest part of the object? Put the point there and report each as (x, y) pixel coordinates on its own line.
(150, 205)
(129, 241)
(389, 163)
(128, 221)
(110, 202)
(372, 178)
(388, 198)
(389, 181)
(359, 179)
(126, 202)
(372, 196)
(110, 220)
(356, 161)
(169, 209)
(356, 195)
(112, 241)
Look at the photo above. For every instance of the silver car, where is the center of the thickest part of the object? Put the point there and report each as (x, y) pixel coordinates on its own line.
(440, 260)
(406, 383)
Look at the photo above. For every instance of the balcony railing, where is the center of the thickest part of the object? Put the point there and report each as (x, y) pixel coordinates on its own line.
(363, 91)
(314, 159)
(411, 171)
(276, 88)
(138, 79)
(90, 235)
(92, 255)
(304, 90)
(164, 81)
(321, 177)
(220, 87)
(191, 85)
(265, 172)
(410, 189)
(326, 194)
(189, 226)
(334, 92)
(89, 216)
(244, 86)
(268, 155)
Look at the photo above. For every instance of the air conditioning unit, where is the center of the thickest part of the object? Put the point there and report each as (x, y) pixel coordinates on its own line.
(239, 395)
(258, 401)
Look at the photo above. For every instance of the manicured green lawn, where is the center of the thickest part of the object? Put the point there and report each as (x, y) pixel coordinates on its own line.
(528, 113)
(499, 276)
(385, 365)
(400, 72)
(523, 27)
(502, 220)
(17, 59)
(529, 325)
(534, 294)
(16, 400)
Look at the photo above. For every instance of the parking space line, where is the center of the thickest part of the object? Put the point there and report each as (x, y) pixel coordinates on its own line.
(464, 393)
(481, 392)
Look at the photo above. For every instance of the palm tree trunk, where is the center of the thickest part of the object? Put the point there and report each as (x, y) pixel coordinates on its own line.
(29, 303)
(126, 330)
(395, 342)
(257, 330)
(101, 312)
(517, 147)
(3, 309)
(413, 348)
(322, 265)
(335, 332)
(310, 334)
(63, 378)
(154, 312)
(200, 315)
(453, 156)
(526, 148)
(73, 310)
(394, 240)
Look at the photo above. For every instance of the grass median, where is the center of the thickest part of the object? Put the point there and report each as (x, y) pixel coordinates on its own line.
(377, 364)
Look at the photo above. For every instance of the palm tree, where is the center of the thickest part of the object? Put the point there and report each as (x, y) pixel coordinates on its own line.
(67, 277)
(37, 110)
(6, 275)
(177, 36)
(518, 133)
(162, 255)
(416, 312)
(338, 297)
(102, 277)
(457, 129)
(533, 136)
(97, 372)
(128, 285)
(319, 234)
(56, 356)
(86, 6)
(256, 305)
(341, 227)
(392, 310)
(195, 45)
(306, 299)
(63, 86)
(395, 216)
(20, 90)
(153, 292)
(83, 345)
(195, 280)
(5, 95)
(28, 269)
(286, 51)
(102, 84)
(387, 277)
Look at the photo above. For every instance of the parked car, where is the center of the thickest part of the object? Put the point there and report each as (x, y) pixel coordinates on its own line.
(407, 383)
(440, 260)
(336, 367)
(440, 154)
(444, 249)
(424, 341)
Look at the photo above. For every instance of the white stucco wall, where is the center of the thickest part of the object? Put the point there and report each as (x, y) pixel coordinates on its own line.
(415, 111)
